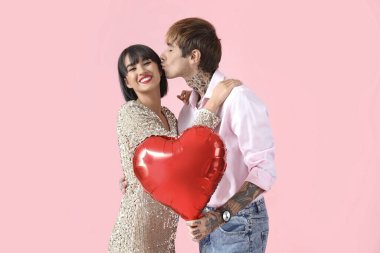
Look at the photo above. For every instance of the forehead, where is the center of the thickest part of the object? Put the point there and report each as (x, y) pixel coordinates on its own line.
(134, 59)
(172, 42)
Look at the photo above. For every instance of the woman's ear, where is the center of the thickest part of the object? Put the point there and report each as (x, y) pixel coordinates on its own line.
(126, 83)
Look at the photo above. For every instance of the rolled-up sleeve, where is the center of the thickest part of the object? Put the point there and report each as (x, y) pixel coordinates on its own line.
(251, 125)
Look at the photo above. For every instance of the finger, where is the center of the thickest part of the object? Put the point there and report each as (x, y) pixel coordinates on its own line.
(237, 82)
(187, 97)
(229, 83)
(195, 231)
(233, 80)
(232, 83)
(193, 223)
(190, 229)
(182, 95)
(197, 238)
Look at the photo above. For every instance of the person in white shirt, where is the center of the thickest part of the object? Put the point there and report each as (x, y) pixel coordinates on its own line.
(235, 219)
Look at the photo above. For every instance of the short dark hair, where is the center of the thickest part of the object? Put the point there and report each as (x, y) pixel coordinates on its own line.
(197, 33)
(135, 53)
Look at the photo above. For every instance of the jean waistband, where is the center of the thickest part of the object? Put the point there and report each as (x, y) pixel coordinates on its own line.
(258, 205)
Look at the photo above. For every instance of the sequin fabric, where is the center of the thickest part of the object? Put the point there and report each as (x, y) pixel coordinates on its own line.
(143, 224)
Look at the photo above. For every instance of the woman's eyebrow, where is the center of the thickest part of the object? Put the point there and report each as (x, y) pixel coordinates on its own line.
(129, 65)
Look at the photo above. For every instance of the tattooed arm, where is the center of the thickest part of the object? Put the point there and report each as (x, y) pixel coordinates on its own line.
(212, 220)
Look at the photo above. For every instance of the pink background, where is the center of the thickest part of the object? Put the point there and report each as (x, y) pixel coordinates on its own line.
(316, 64)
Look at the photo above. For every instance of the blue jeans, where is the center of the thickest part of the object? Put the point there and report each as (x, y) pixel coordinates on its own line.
(247, 232)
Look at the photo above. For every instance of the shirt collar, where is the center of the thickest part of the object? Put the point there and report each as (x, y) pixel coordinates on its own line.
(215, 79)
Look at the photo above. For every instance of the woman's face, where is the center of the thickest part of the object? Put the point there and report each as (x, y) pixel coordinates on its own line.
(143, 77)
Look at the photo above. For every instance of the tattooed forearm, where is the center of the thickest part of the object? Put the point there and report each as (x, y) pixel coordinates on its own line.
(213, 221)
(242, 198)
(199, 229)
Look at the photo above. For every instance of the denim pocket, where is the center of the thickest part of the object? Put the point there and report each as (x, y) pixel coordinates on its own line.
(237, 225)
(232, 237)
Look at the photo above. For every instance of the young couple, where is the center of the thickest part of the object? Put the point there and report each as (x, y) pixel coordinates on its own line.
(235, 219)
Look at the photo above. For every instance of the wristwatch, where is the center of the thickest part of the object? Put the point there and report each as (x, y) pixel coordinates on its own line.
(226, 215)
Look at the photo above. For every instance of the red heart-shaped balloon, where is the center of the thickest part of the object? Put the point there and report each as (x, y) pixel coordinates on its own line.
(181, 172)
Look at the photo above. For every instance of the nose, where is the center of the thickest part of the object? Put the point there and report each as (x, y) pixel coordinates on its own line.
(162, 57)
(141, 70)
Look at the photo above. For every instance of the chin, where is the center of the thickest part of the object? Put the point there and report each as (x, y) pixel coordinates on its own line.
(169, 75)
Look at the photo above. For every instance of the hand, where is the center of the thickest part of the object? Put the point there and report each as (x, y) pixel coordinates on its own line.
(184, 97)
(202, 227)
(223, 89)
(220, 93)
(123, 184)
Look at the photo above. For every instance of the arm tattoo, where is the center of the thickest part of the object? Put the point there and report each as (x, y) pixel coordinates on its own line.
(212, 222)
(242, 198)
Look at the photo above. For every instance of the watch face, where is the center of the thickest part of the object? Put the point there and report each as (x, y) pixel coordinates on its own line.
(226, 215)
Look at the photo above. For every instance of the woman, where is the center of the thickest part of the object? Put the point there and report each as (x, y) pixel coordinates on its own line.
(143, 224)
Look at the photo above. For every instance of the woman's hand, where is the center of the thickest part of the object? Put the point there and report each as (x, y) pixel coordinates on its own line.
(184, 97)
(220, 93)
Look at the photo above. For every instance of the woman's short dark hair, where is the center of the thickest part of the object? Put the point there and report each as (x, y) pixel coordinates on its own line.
(134, 54)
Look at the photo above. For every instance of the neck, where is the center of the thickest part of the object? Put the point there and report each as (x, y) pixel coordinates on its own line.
(153, 102)
(199, 82)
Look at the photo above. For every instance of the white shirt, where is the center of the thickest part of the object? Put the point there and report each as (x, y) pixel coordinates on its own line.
(247, 135)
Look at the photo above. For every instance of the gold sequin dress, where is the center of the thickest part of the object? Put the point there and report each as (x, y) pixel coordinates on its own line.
(143, 224)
